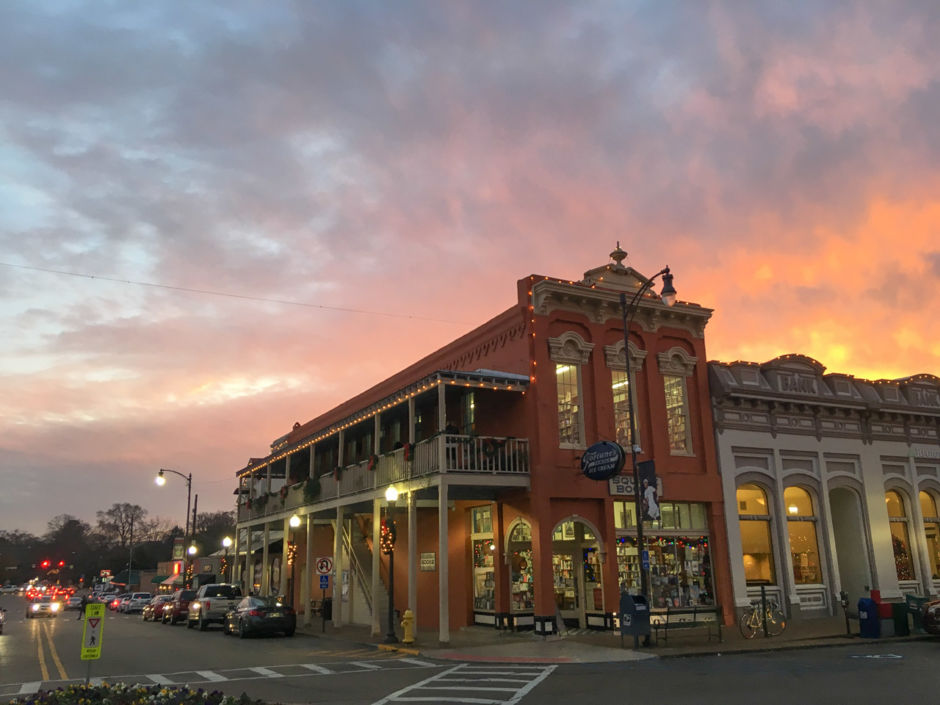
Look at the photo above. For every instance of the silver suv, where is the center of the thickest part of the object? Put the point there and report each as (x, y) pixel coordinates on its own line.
(211, 604)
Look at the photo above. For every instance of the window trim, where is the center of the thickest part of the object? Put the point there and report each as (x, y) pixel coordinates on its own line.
(569, 348)
(677, 363)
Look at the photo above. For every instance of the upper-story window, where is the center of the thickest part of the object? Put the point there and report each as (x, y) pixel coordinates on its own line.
(928, 509)
(620, 388)
(900, 537)
(569, 352)
(676, 365)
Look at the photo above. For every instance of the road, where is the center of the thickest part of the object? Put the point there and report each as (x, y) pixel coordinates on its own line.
(39, 653)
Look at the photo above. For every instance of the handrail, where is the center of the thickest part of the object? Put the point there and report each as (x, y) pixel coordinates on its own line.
(357, 567)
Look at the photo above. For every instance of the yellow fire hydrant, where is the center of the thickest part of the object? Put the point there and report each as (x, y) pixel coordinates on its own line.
(408, 627)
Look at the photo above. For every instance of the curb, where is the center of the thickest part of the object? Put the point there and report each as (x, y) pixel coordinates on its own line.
(400, 649)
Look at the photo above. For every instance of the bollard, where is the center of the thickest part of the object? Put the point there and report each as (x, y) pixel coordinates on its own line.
(408, 627)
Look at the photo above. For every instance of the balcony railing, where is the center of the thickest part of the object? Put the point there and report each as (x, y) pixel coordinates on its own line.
(444, 453)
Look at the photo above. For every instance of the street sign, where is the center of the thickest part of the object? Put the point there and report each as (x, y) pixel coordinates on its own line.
(91, 632)
(324, 565)
(324, 582)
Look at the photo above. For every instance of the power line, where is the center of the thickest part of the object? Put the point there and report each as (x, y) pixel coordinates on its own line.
(229, 295)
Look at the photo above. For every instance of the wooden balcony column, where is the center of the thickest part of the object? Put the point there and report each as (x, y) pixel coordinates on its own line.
(265, 567)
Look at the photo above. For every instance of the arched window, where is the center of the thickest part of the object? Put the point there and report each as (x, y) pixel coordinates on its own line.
(900, 537)
(756, 544)
(801, 527)
(928, 509)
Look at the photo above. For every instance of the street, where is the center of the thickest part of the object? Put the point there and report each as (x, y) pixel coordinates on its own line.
(44, 653)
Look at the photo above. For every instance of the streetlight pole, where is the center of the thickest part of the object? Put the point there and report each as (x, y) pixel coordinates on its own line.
(294, 522)
(628, 311)
(161, 480)
(226, 544)
(391, 495)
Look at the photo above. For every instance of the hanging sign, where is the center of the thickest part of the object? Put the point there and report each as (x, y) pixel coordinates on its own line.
(602, 460)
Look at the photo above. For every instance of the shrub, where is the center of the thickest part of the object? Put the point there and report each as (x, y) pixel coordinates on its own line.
(123, 694)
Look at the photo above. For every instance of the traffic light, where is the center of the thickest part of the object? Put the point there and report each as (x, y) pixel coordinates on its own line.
(61, 564)
(45, 564)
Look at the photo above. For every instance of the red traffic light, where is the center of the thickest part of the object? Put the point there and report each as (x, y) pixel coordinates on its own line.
(46, 563)
(61, 564)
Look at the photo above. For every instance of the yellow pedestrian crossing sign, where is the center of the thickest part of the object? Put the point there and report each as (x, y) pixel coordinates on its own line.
(91, 633)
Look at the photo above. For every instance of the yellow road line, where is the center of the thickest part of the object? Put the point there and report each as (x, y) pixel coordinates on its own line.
(37, 629)
(55, 656)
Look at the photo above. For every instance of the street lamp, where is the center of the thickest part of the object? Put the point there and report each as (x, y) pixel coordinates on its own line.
(161, 481)
(628, 311)
(192, 550)
(294, 522)
(226, 545)
(388, 547)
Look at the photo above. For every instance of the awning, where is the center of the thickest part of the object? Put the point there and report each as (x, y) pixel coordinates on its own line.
(173, 580)
(158, 579)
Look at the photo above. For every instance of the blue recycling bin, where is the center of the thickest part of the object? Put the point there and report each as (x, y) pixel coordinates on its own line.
(869, 624)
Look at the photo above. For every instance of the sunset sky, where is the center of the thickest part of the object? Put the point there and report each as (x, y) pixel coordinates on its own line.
(396, 167)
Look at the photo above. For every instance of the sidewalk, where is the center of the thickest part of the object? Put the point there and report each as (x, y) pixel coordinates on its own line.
(581, 646)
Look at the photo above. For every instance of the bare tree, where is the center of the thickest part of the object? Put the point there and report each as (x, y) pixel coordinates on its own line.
(122, 524)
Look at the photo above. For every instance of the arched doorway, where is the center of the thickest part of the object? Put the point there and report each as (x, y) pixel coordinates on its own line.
(576, 572)
(849, 534)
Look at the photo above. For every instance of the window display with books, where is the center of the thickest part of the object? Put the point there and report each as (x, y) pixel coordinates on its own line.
(484, 552)
(522, 598)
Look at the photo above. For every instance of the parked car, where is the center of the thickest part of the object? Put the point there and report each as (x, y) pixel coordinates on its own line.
(260, 615)
(177, 609)
(212, 603)
(931, 617)
(116, 601)
(153, 610)
(73, 603)
(136, 602)
(44, 606)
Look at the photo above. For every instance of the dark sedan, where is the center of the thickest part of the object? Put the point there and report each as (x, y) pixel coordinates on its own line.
(176, 609)
(931, 617)
(260, 615)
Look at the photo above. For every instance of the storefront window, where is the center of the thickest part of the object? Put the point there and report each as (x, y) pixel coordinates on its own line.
(928, 508)
(569, 404)
(680, 570)
(673, 515)
(676, 414)
(621, 388)
(900, 541)
(520, 566)
(801, 526)
(484, 552)
(756, 544)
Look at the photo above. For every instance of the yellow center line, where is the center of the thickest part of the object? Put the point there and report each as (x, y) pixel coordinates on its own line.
(55, 656)
(37, 629)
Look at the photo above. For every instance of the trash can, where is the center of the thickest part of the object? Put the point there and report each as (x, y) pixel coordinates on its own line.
(634, 615)
(915, 607)
(869, 624)
(327, 608)
(901, 625)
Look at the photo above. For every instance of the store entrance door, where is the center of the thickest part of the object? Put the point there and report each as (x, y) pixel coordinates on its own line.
(576, 572)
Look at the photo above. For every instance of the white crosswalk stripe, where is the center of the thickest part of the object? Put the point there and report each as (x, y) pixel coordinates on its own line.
(158, 679)
(465, 682)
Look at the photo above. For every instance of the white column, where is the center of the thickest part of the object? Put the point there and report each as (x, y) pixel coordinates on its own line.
(285, 569)
(441, 407)
(918, 533)
(308, 563)
(827, 544)
(337, 568)
(787, 581)
(376, 567)
(265, 567)
(413, 558)
(442, 582)
(411, 420)
(311, 471)
(267, 479)
(250, 563)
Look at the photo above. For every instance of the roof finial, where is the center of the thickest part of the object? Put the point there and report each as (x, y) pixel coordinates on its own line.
(618, 255)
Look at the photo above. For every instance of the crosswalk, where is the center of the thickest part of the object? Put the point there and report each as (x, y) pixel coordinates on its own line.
(200, 677)
(493, 684)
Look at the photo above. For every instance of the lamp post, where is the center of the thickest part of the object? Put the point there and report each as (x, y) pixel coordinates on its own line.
(226, 545)
(628, 310)
(291, 556)
(160, 479)
(388, 547)
(191, 551)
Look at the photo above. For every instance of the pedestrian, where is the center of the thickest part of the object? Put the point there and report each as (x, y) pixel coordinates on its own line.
(81, 609)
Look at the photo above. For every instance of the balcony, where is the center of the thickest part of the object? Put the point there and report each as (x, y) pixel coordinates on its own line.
(444, 453)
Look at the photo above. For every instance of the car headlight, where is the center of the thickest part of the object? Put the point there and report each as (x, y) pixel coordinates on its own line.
(55, 606)
(194, 605)
(35, 608)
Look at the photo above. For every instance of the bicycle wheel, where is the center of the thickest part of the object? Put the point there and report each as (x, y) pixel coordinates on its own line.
(748, 624)
(776, 622)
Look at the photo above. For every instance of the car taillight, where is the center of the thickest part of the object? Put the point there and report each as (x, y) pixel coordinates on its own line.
(256, 612)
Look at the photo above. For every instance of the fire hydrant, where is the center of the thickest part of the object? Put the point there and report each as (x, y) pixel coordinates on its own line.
(408, 627)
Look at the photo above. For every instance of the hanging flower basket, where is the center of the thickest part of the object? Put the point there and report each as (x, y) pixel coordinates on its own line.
(407, 449)
(283, 494)
(337, 473)
(373, 461)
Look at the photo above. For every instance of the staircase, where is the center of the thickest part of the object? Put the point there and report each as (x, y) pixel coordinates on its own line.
(358, 548)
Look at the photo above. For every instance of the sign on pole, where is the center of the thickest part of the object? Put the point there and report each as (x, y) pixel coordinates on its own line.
(324, 565)
(91, 632)
(324, 582)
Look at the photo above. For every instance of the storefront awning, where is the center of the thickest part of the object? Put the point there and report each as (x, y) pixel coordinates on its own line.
(173, 580)
(158, 579)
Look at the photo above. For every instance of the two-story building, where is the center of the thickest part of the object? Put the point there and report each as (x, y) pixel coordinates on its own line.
(483, 441)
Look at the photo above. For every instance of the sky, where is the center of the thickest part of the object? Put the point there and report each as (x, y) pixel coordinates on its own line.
(219, 218)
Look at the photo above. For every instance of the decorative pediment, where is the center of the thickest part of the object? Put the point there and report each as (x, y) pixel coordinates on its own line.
(676, 362)
(794, 363)
(570, 348)
(616, 360)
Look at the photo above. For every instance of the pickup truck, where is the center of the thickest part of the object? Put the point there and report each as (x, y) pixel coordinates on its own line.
(211, 603)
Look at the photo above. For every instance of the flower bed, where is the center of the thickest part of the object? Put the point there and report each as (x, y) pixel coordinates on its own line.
(122, 694)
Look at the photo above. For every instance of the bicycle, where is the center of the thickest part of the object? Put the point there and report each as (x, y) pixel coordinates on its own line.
(752, 620)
